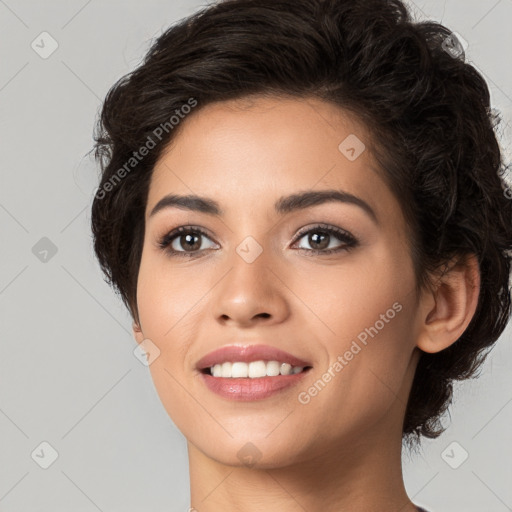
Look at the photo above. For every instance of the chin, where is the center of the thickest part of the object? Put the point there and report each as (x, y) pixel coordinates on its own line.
(252, 452)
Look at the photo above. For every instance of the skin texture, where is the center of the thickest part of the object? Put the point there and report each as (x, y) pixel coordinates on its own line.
(342, 450)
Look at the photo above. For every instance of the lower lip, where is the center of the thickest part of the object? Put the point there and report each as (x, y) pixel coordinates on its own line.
(246, 389)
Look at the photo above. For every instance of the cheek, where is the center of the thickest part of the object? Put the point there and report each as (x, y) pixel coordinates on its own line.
(367, 312)
(168, 299)
(169, 304)
(350, 296)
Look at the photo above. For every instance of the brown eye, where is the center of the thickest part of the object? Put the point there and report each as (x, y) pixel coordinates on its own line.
(184, 241)
(320, 238)
(189, 242)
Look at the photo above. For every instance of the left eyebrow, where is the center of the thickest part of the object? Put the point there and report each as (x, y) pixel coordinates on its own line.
(283, 205)
(307, 199)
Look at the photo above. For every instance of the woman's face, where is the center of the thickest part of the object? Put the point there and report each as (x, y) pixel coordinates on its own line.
(261, 275)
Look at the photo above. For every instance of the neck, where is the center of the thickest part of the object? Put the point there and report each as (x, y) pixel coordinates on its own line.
(361, 475)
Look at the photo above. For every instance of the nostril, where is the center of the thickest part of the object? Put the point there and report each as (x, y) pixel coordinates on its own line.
(263, 315)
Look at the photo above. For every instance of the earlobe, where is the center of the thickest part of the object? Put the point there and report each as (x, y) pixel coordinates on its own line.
(137, 332)
(449, 308)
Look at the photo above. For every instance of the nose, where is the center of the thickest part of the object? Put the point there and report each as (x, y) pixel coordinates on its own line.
(251, 293)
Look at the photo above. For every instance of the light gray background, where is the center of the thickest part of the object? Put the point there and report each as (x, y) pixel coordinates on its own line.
(68, 373)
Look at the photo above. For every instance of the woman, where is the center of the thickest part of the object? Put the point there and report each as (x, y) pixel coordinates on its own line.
(302, 206)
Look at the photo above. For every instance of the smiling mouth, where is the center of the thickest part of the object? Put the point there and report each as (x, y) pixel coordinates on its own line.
(253, 370)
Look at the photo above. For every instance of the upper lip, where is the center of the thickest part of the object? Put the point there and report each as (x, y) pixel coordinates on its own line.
(247, 354)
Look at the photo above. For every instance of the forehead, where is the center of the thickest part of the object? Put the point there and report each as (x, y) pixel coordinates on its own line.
(254, 150)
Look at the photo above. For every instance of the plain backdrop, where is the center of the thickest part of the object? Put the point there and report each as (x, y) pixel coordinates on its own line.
(68, 375)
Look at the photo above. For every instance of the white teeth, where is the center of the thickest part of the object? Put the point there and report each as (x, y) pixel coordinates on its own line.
(273, 368)
(257, 369)
(253, 370)
(286, 369)
(239, 370)
(226, 369)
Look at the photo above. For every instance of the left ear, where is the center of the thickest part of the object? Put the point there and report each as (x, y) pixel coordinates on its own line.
(448, 309)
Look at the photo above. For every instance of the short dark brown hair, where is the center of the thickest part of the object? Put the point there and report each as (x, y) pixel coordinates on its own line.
(428, 112)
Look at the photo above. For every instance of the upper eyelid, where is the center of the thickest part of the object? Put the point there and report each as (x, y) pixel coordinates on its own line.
(172, 234)
(322, 225)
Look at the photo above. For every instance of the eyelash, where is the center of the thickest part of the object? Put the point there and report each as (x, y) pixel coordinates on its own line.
(344, 236)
